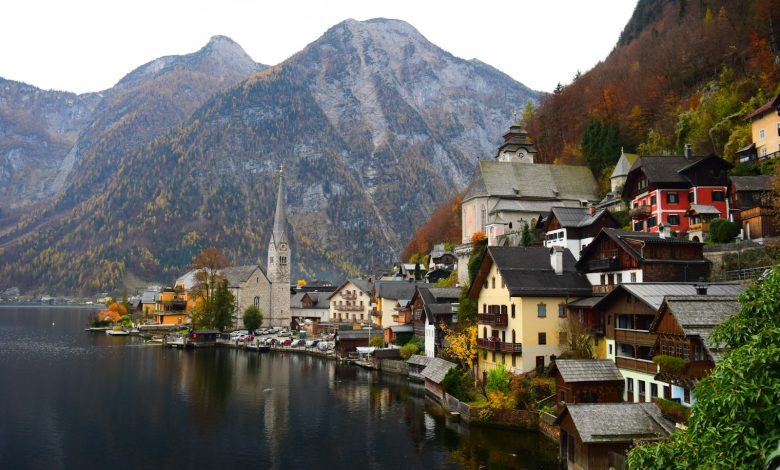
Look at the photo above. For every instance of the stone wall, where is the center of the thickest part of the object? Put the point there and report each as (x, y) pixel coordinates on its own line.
(393, 366)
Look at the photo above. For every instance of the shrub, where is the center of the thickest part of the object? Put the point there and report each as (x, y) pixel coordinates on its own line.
(671, 363)
(457, 383)
(723, 231)
(498, 379)
(408, 351)
(377, 342)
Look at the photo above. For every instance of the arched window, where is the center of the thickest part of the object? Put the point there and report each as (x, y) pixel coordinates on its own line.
(483, 213)
(257, 302)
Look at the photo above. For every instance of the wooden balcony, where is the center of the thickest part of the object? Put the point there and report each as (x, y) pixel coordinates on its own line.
(602, 290)
(493, 319)
(611, 263)
(639, 365)
(348, 308)
(496, 345)
(635, 337)
(640, 213)
(376, 313)
(348, 296)
(700, 227)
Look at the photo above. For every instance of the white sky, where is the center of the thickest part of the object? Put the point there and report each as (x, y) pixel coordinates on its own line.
(89, 45)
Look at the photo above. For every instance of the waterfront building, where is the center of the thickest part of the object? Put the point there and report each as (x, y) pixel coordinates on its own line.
(351, 302)
(389, 297)
(431, 307)
(521, 295)
(279, 262)
(596, 435)
(587, 381)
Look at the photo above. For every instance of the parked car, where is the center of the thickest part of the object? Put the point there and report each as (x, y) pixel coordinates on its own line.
(298, 343)
(286, 342)
(285, 333)
(312, 343)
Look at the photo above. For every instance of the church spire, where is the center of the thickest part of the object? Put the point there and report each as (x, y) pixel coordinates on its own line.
(280, 218)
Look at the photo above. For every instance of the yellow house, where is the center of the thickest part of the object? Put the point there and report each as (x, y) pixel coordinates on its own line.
(171, 308)
(765, 122)
(521, 295)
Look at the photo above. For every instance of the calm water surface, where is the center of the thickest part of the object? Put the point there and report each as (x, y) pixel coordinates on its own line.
(72, 399)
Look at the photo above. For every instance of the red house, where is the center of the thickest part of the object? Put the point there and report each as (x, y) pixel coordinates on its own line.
(683, 192)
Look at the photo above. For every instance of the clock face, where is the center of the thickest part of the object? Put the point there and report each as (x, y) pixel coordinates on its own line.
(283, 246)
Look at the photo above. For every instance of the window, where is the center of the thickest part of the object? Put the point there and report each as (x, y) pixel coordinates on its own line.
(761, 134)
(610, 350)
(513, 310)
(698, 353)
(486, 284)
(562, 396)
(763, 152)
(652, 200)
(542, 338)
(630, 386)
(484, 308)
(687, 395)
(641, 384)
(638, 226)
(691, 197)
(633, 277)
(493, 283)
(625, 322)
(619, 278)
(257, 302)
(541, 310)
(672, 198)
(636, 204)
(673, 219)
(642, 183)
(561, 310)
(603, 279)
(652, 222)
(653, 390)
(717, 195)
(625, 350)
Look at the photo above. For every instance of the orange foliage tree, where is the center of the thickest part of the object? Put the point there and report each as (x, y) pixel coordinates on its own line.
(443, 226)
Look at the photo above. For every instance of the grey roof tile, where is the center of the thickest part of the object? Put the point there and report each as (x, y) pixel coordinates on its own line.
(437, 369)
(752, 183)
(617, 422)
(588, 370)
(527, 271)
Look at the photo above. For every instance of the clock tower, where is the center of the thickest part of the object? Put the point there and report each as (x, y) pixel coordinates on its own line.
(279, 260)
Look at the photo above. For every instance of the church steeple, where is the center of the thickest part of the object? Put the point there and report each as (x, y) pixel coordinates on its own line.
(280, 218)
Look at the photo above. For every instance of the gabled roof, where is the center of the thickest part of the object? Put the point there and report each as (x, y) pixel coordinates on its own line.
(437, 369)
(599, 423)
(320, 299)
(632, 243)
(588, 370)
(419, 360)
(188, 280)
(576, 217)
(652, 293)
(752, 183)
(395, 290)
(670, 170)
(238, 274)
(365, 285)
(624, 164)
(437, 300)
(698, 315)
(150, 296)
(702, 209)
(532, 181)
(527, 272)
(774, 102)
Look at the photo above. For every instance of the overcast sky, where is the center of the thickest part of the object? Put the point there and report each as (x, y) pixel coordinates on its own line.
(89, 45)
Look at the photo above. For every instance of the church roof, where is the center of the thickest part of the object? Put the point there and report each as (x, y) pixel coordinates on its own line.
(624, 164)
(238, 274)
(279, 233)
(532, 181)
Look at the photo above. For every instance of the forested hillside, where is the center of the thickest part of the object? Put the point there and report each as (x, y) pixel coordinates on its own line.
(682, 72)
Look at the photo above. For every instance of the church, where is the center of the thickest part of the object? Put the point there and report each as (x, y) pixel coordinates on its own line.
(512, 190)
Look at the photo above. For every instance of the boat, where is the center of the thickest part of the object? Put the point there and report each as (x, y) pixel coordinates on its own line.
(117, 332)
(175, 341)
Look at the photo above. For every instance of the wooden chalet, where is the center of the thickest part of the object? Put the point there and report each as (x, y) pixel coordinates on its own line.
(617, 256)
(751, 206)
(587, 381)
(629, 312)
(575, 227)
(598, 435)
(683, 327)
(347, 341)
(431, 307)
(434, 374)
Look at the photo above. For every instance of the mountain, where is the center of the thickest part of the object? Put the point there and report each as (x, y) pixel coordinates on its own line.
(95, 130)
(373, 124)
(37, 129)
(681, 72)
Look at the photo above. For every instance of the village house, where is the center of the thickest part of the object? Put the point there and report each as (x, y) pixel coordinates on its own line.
(616, 256)
(587, 381)
(347, 341)
(521, 295)
(683, 192)
(441, 258)
(351, 302)
(765, 126)
(391, 297)
(149, 302)
(434, 374)
(575, 227)
(311, 306)
(629, 311)
(511, 190)
(751, 206)
(683, 327)
(431, 307)
(170, 308)
(598, 435)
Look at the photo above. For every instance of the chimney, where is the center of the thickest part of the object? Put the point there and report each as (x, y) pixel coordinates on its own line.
(688, 151)
(556, 259)
(591, 209)
(701, 289)
(664, 230)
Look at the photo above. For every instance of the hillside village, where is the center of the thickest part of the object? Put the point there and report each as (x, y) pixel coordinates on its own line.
(618, 320)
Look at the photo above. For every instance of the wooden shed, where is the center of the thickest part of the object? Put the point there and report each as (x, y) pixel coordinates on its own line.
(434, 374)
(587, 381)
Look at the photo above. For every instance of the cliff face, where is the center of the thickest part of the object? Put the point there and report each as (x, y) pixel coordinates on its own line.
(374, 125)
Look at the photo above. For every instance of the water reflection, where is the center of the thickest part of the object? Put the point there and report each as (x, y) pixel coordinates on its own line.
(79, 399)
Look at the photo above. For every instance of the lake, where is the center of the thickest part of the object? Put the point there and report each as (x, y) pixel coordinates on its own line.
(73, 399)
